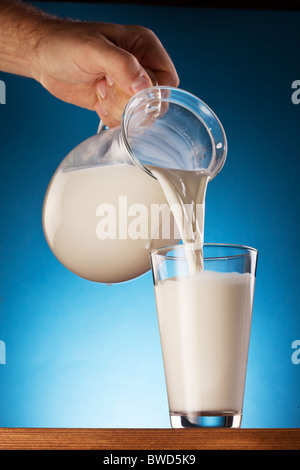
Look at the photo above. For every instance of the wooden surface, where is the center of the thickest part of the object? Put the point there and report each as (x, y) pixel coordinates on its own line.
(149, 439)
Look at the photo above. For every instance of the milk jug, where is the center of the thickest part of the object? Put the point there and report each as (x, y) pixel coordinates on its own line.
(105, 208)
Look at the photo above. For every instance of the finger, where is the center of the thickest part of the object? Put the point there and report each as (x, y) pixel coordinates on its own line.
(125, 69)
(112, 101)
(107, 119)
(101, 88)
(153, 56)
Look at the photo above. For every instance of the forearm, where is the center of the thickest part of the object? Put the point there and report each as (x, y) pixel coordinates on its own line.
(21, 29)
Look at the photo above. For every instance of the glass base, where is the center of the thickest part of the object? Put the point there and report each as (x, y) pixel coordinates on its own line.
(206, 420)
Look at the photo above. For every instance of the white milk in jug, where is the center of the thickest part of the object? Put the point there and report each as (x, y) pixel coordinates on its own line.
(97, 226)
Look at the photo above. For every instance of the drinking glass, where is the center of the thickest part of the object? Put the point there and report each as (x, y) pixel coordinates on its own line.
(204, 323)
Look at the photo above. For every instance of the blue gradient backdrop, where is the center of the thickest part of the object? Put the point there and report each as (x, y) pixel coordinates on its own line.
(80, 354)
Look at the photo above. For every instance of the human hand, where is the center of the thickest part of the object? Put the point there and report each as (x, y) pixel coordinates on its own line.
(99, 66)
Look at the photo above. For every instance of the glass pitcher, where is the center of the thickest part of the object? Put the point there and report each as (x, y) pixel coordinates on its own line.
(104, 210)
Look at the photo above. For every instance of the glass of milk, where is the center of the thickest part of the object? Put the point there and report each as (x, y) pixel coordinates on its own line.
(204, 317)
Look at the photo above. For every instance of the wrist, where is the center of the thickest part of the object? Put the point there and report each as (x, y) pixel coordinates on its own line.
(42, 31)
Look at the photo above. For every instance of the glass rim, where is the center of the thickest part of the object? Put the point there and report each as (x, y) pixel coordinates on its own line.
(248, 250)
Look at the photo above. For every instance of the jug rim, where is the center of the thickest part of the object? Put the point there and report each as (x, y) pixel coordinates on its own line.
(173, 97)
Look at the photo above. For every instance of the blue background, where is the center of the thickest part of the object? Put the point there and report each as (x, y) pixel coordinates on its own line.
(80, 354)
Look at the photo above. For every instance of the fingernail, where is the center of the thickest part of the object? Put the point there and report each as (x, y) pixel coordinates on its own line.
(110, 80)
(140, 84)
(102, 88)
(100, 109)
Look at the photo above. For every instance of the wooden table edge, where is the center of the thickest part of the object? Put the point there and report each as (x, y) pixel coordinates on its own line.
(149, 439)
